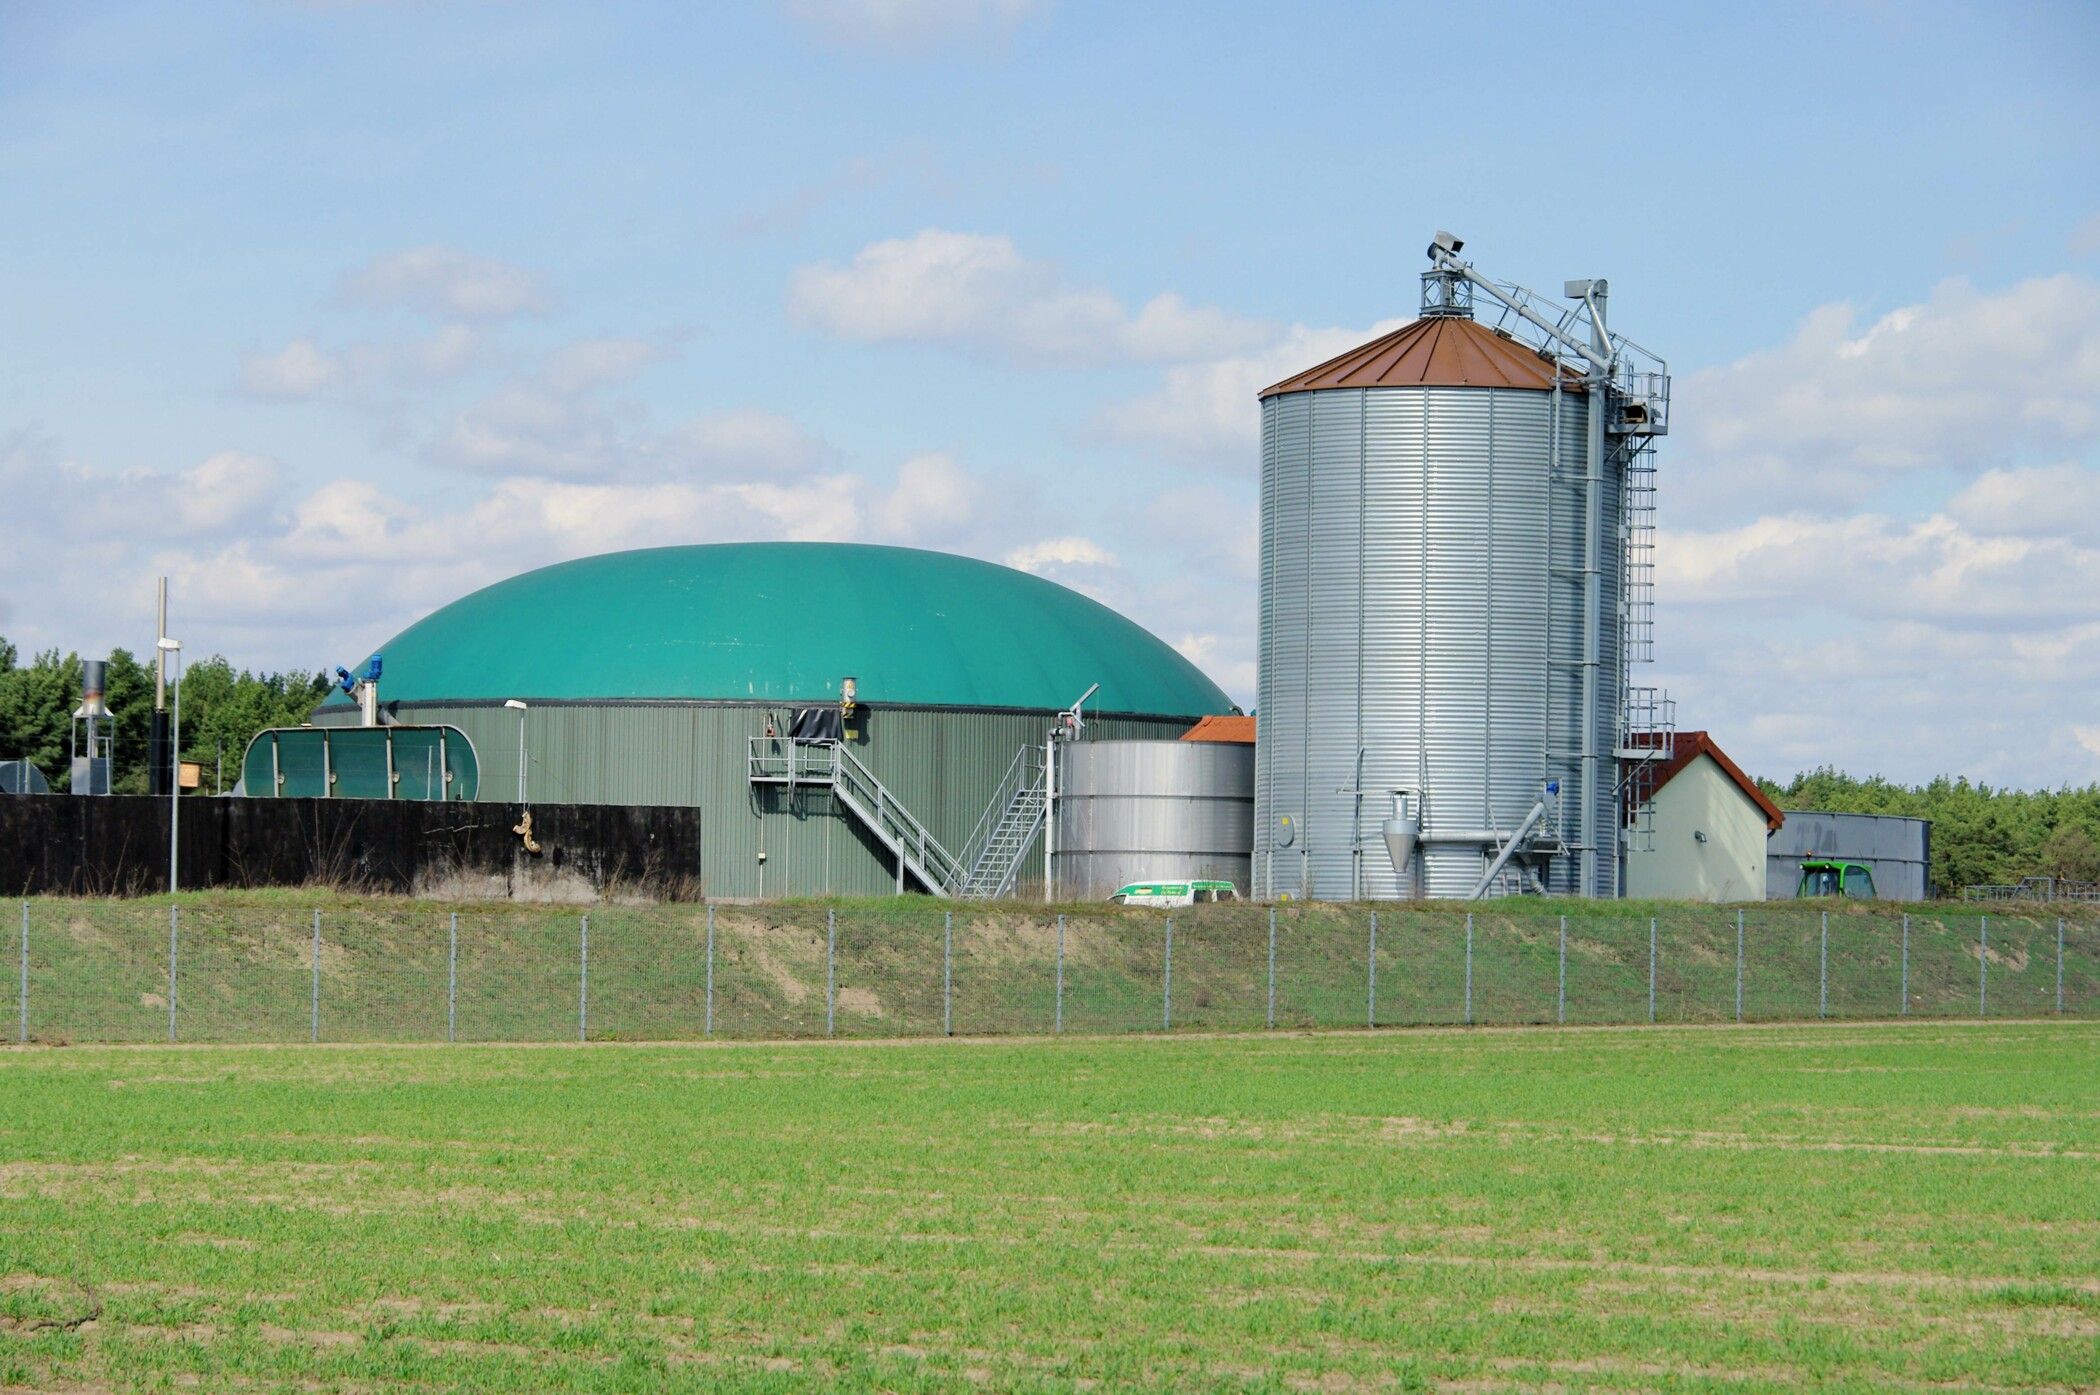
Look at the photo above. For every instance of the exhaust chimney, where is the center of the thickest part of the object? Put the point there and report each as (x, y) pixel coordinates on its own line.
(93, 674)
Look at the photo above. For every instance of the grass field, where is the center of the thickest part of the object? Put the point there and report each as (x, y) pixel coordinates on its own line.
(1676, 1208)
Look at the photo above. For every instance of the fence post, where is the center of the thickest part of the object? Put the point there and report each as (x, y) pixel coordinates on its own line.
(1167, 987)
(452, 981)
(710, 970)
(173, 912)
(1560, 1010)
(1469, 968)
(1823, 973)
(831, 971)
(1983, 968)
(1272, 968)
(1058, 1025)
(1739, 964)
(317, 977)
(2059, 966)
(1651, 968)
(948, 971)
(583, 983)
(1374, 969)
(25, 970)
(1905, 1010)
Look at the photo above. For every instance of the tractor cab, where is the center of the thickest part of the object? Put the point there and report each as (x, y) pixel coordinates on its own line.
(1847, 879)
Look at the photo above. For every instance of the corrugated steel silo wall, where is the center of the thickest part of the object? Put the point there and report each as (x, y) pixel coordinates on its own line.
(944, 765)
(1421, 627)
(1132, 811)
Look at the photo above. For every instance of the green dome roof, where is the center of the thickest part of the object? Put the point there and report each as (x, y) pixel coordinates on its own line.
(784, 622)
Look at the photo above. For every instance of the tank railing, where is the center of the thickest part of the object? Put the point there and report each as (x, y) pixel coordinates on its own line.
(894, 824)
(1569, 321)
(779, 760)
(1025, 772)
(1638, 372)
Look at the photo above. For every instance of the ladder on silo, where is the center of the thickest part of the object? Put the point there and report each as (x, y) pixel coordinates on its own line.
(1008, 829)
(1645, 747)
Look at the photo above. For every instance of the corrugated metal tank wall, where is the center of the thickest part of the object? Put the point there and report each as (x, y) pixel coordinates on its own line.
(1898, 850)
(945, 765)
(1131, 811)
(1421, 627)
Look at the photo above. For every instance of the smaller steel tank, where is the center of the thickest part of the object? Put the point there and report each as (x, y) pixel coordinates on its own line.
(1132, 811)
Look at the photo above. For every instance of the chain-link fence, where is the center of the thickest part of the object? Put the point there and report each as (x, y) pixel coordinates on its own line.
(131, 971)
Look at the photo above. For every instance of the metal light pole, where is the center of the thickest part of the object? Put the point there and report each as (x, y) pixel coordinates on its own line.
(173, 647)
(513, 702)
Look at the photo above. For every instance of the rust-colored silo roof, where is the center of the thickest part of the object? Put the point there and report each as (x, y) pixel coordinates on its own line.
(1445, 351)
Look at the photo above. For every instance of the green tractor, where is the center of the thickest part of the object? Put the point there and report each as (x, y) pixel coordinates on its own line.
(1826, 878)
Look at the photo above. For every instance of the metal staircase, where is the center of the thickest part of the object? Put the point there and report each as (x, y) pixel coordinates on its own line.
(1009, 826)
(993, 854)
(855, 787)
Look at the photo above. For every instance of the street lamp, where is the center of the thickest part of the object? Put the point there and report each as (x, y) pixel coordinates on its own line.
(173, 649)
(514, 702)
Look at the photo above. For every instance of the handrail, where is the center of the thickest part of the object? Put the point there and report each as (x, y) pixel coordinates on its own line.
(874, 804)
(1022, 772)
(860, 784)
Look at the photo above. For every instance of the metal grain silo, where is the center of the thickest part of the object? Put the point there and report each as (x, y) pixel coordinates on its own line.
(1453, 582)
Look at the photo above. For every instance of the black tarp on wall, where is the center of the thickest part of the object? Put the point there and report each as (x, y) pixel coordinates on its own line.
(118, 845)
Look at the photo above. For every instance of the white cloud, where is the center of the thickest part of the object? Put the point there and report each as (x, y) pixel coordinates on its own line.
(446, 283)
(934, 498)
(361, 373)
(590, 363)
(300, 369)
(1228, 660)
(1906, 698)
(1912, 648)
(977, 291)
(1964, 382)
(532, 430)
(747, 441)
(908, 24)
(1206, 414)
(1050, 553)
(2042, 501)
(1874, 568)
(1808, 628)
(225, 490)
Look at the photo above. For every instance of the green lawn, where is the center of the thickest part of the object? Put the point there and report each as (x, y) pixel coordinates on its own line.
(1689, 1208)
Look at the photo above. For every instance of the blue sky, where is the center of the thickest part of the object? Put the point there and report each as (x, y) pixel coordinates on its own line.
(335, 311)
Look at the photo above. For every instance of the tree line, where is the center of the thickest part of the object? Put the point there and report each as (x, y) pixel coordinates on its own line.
(1980, 834)
(221, 710)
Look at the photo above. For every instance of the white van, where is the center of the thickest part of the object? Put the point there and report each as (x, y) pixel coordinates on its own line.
(1175, 893)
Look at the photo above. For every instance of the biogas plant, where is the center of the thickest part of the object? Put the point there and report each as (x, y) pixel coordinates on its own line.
(1455, 585)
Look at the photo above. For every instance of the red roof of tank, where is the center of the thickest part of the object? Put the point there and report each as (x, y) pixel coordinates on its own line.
(1447, 351)
(1238, 731)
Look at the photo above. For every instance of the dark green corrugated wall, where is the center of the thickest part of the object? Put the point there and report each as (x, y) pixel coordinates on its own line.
(945, 766)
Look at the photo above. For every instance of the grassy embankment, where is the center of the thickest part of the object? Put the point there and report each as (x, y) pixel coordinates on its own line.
(99, 969)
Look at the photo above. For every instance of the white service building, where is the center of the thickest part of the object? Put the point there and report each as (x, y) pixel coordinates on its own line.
(1710, 823)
